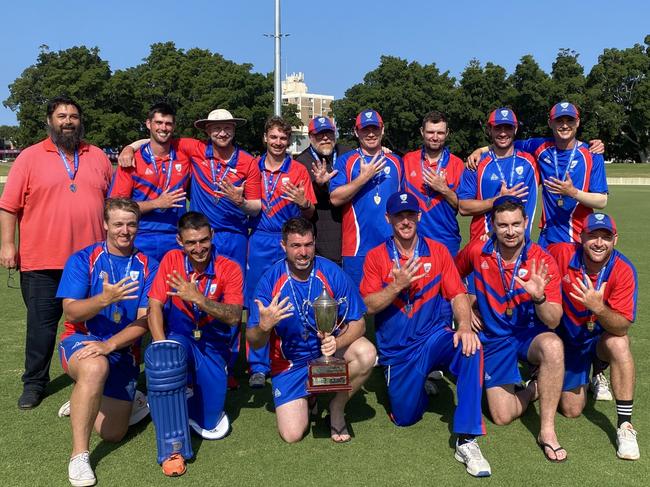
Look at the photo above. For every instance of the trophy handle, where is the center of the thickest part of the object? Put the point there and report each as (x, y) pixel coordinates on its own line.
(342, 300)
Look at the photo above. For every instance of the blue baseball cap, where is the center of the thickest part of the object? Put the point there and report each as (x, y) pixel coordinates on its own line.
(507, 199)
(599, 221)
(320, 124)
(369, 118)
(402, 201)
(564, 109)
(502, 116)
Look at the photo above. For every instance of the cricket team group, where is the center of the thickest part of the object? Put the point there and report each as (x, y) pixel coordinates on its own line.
(188, 236)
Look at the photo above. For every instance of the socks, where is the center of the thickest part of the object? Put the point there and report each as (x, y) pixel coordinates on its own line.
(624, 411)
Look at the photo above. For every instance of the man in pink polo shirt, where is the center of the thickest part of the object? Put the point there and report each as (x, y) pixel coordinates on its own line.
(55, 192)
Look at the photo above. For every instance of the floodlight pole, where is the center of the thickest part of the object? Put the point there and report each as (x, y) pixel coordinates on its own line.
(277, 95)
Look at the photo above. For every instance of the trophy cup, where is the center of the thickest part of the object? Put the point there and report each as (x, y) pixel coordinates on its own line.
(327, 374)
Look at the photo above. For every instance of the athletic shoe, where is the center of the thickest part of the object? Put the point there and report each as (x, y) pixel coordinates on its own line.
(64, 410)
(139, 409)
(174, 466)
(599, 385)
(628, 448)
(257, 380)
(80, 474)
(470, 454)
(220, 431)
(435, 375)
(430, 387)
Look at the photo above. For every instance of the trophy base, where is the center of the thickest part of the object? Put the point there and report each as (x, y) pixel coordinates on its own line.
(328, 374)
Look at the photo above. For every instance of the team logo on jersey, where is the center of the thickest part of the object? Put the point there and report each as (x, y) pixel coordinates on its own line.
(213, 287)
(484, 264)
(276, 392)
(134, 275)
(285, 180)
(413, 174)
(487, 376)
(494, 177)
(103, 275)
(427, 267)
(574, 163)
(566, 278)
(148, 171)
(178, 167)
(522, 273)
(387, 170)
(547, 160)
(519, 170)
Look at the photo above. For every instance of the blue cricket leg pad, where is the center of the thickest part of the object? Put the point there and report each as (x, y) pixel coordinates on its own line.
(165, 366)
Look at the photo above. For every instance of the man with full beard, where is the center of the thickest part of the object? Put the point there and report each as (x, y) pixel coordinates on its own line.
(55, 193)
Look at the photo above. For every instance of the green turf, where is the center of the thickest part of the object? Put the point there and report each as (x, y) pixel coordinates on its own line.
(628, 170)
(36, 443)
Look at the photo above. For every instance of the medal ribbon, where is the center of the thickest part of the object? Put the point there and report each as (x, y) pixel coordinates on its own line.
(441, 164)
(512, 168)
(196, 311)
(127, 271)
(229, 164)
(375, 178)
(599, 278)
(509, 289)
(556, 166)
(314, 154)
(298, 306)
(72, 171)
(269, 183)
(406, 296)
(147, 153)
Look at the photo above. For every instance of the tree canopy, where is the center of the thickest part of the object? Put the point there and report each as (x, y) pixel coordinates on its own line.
(614, 97)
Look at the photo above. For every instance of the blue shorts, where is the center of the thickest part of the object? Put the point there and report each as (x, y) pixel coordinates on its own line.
(502, 354)
(123, 369)
(353, 267)
(577, 363)
(156, 245)
(233, 245)
(207, 374)
(290, 385)
(405, 382)
(264, 250)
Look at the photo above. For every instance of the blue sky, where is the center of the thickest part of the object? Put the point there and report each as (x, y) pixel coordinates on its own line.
(334, 43)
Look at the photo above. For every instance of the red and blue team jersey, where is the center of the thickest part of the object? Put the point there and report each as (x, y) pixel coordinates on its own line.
(276, 209)
(83, 278)
(221, 281)
(293, 341)
(405, 325)
(491, 292)
(364, 224)
(438, 220)
(486, 181)
(587, 171)
(149, 178)
(620, 293)
(208, 171)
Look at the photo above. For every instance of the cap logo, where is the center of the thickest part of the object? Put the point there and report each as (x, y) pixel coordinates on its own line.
(504, 113)
(564, 105)
(599, 216)
(403, 197)
(368, 115)
(321, 119)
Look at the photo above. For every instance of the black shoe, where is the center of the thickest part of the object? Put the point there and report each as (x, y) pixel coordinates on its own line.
(29, 399)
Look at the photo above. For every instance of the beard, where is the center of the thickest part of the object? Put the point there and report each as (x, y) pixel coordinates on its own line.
(69, 142)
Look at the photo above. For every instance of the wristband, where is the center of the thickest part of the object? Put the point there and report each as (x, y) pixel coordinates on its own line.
(541, 300)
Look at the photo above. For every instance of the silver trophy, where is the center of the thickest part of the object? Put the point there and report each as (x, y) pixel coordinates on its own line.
(328, 374)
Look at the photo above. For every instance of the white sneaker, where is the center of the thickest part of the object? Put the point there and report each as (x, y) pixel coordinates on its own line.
(139, 409)
(599, 385)
(80, 474)
(220, 431)
(470, 454)
(628, 448)
(64, 410)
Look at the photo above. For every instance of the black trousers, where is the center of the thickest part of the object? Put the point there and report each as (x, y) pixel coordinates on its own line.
(44, 311)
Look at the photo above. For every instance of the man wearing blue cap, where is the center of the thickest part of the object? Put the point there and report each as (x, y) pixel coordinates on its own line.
(319, 159)
(365, 178)
(407, 280)
(599, 291)
(519, 305)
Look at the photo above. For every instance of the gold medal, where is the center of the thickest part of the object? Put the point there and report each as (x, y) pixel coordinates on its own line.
(117, 316)
(508, 312)
(197, 334)
(590, 325)
(377, 199)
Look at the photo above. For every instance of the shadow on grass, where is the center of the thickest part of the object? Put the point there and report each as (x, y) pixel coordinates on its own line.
(59, 383)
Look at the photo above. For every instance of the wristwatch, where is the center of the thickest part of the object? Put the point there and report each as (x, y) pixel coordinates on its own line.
(541, 300)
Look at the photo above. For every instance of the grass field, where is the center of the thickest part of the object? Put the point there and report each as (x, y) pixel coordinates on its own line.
(36, 443)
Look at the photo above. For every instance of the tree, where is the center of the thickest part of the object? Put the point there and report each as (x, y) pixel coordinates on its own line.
(532, 98)
(8, 134)
(619, 86)
(78, 72)
(402, 93)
